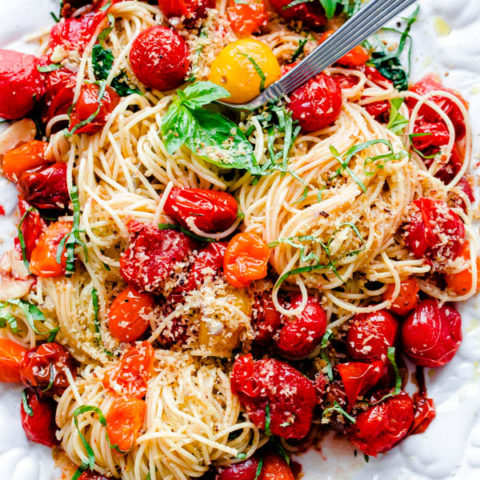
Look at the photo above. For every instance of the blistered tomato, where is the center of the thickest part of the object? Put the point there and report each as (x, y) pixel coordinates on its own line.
(354, 58)
(247, 17)
(266, 319)
(311, 14)
(11, 355)
(407, 298)
(245, 68)
(26, 157)
(461, 282)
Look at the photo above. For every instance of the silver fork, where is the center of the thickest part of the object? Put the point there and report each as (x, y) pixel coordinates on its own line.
(369, 20)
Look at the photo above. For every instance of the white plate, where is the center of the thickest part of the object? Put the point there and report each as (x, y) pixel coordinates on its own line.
(450, 449)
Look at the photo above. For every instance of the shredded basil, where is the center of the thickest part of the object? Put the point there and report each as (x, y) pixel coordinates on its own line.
(396, 122)
(21, 240)
(324, 354)
(257, 68)
(338, 409)
(300, 51)
(26, 406)
(49, 68)
(259, 470)
(268, 420)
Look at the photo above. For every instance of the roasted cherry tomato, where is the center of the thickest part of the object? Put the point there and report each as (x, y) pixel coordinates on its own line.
(43, 262)
(129, 315)
(151, 257)
(266, 319)
(301, 334)
(247, 17)
(430, 135)
(311, 14)
(87, 106)
(190, 9)
(44, 368)
(60, 91)
(11, 355)
(130, 377)
(425, 413)
(370, 335)
(464, 186)
(246, 470)
(317, 104)
(29, 156)
(243, 68)
(461, 282)
(159, 58)
(21, 84)
(32, 227)
(38, 421)
(354, 58)
(124, 421)
(435, 231)
(289, 395)
(382, 426)
(432, 334)
(275, 468)
(246, 259)
(429, 84)
(406, 300)
(208, 210)
(89, 475)
(73, 34)
(358, 378)
(46, 189)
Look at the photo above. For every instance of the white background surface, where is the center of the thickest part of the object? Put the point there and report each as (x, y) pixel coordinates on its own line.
(450, 449)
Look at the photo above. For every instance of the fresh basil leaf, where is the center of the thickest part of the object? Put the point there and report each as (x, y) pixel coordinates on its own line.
(330, 6)
(49, 68)
(396, 122)
(199, 94)
(177, 126)
(26, 406)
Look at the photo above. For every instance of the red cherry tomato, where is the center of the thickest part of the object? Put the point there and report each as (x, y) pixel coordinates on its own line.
(248, 17)
(130, 376)
(176, 331)
(44, 368)
(89, 475)
(382, 426)
(275, 468)
(128, 317)
(11, 355)
(191, 9)
(461, 282)
(246, 259)
(32, 227)
(429, 84)
(290, 396)
(159, 58)
(60, 91)
(310, 13)
(39, 425)
(208, 210)
(124, 422)
(466, 187)
(301, 334)
(432, 334)
(266, 319)
(246, 470)
(152, 255)
(379, 110)
(358, 378)
(430, 135)
(87, 106)
(370, 335)
(435, 231)
(46, 189)
(29, 156)
(354, 58)
(21, 84)
(406, 300)
(451, 166)
(424, 409)
(317, 104)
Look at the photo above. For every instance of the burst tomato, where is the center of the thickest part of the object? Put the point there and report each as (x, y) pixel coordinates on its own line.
(432, 334)
(424, 409)
(128, 317)
(429, 135)
(246, 470)
(32, 227)
(208, 210)
(246, 259)
(159, 58)
(406, 300)
(248, 17)
(461, 282)
(130, 376)
(39, 425)
(29, 156)
(11, 355)
(310, 13)
(275, 468)
(266, 319)
(354, 58)
(190, 9)
(89, 475)
(60, 91)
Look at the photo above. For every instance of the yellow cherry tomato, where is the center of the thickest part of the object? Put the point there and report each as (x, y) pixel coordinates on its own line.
(244, 68)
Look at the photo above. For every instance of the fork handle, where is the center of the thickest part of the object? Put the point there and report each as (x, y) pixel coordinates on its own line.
(353, 32)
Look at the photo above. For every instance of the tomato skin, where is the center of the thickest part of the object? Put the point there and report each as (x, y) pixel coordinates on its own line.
(310, 14)
(130, 377)
(430, 224)
(29, 156)
(151, 256)
(317, 104)
(40, 427)
(301, 334)
(191, 9)
(370, 335)
(11, 355)
(87, 105)
(438, 135)
(354, 58)
(46, 189)
(246, 470)
(247, 18)
(382, 426)
(21, 84)
(60, 91)
(208, 210)
(266, 319)
(124, 422)
(160, 43)
(275, 468)
(43, 262)
(43, 368)
(128, 315)
(290, 396)
(406, 300)
(432, 334)
(425, 413)
(245, 259)
(32, 227)
(461, 282)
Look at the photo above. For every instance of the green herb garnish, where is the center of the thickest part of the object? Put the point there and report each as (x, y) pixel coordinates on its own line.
(396, 122)
(338, 409)
(26, 406)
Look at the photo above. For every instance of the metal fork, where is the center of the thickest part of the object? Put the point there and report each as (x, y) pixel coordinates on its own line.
(369, 20)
